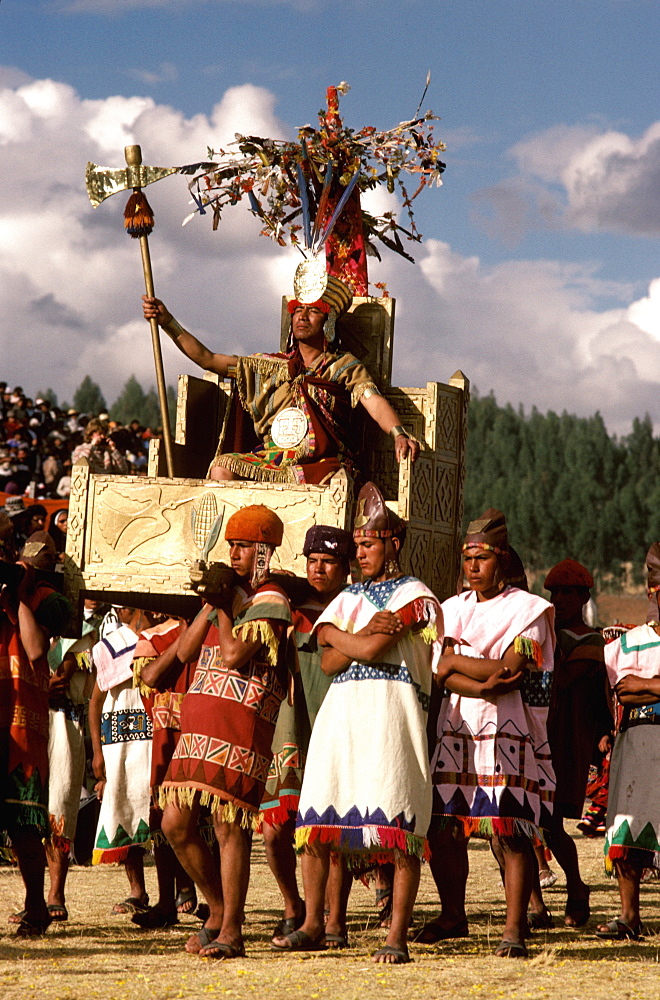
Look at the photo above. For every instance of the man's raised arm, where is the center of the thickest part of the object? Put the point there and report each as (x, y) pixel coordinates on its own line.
(185, 341)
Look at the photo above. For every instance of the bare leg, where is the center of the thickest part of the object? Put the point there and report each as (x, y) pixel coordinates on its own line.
(315, 866)
(542, 863)
(628, 876)
(450, 868)
(281, 857)
(338, 889)
(519, 868)
(58, 868)
(404, 894)
(384, 882)
(563, 848)
(181, 829)
(134, 865)
(167, 868)
(539, 914)
(235, 849)
(31, 857)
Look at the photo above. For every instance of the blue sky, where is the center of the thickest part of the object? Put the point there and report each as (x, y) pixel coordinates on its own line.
(539, 275)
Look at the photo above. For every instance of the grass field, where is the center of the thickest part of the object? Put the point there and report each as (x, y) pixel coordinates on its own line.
(99, 955)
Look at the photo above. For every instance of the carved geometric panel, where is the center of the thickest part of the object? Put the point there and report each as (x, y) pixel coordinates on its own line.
(449, 422)
(444, 494)
(416, 553)
(445, 565)
(421, 495)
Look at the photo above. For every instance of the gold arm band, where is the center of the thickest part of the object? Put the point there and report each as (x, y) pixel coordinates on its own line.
(173, 328)
(398, 429)
(371, 390)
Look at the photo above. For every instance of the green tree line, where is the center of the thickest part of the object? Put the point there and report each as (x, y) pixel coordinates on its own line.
(567, 487)
(133, 403)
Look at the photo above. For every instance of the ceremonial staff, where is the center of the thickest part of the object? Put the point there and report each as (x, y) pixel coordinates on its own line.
(139, 222)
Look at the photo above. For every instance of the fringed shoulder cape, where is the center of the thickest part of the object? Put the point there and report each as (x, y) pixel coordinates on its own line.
(633, 807)
(228, 715)
(491, 767)
(366, 790)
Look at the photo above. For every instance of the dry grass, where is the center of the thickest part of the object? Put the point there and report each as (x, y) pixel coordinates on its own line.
(97, 955)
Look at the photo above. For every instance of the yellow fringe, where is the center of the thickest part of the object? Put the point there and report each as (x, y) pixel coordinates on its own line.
(249, 471)
(302, 836)
(138, 664)
(84, 660)
(429, 634)
(250, 631)
(228, 812)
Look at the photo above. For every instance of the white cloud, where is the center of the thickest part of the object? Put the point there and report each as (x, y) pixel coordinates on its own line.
(533, 332)
(71, 280)
(582, 178)
(166, 73)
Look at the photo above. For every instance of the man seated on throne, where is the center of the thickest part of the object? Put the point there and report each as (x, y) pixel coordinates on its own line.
(290, 419)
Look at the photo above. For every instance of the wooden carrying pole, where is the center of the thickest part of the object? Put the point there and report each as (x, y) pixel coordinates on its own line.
(133, 156)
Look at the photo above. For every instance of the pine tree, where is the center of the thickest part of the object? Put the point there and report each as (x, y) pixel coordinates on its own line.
(49, 395)
(88, 397)
(130, 403)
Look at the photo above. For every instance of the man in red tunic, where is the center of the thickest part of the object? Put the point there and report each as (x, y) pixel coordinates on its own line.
(228, 718)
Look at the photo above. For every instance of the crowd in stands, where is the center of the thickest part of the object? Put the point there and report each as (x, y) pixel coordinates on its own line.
(39, 443)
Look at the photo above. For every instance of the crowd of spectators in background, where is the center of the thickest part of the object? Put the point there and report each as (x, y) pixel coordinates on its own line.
(40, 442)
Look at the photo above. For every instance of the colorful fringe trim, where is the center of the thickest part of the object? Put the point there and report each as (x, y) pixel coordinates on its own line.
(529, 648)
(61, 844)
(493, 826)
(617, 852)
(117, 855)
(25, 813)
(286, 808)
(184, 798)
(261, 630)
(364, 844)
(358, 392)
(84, 660)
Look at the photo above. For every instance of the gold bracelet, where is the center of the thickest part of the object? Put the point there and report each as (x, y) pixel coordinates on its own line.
(173, 328)
(397, 430)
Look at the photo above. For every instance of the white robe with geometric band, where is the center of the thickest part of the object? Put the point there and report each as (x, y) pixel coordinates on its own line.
(126, 733)
(366, 790)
